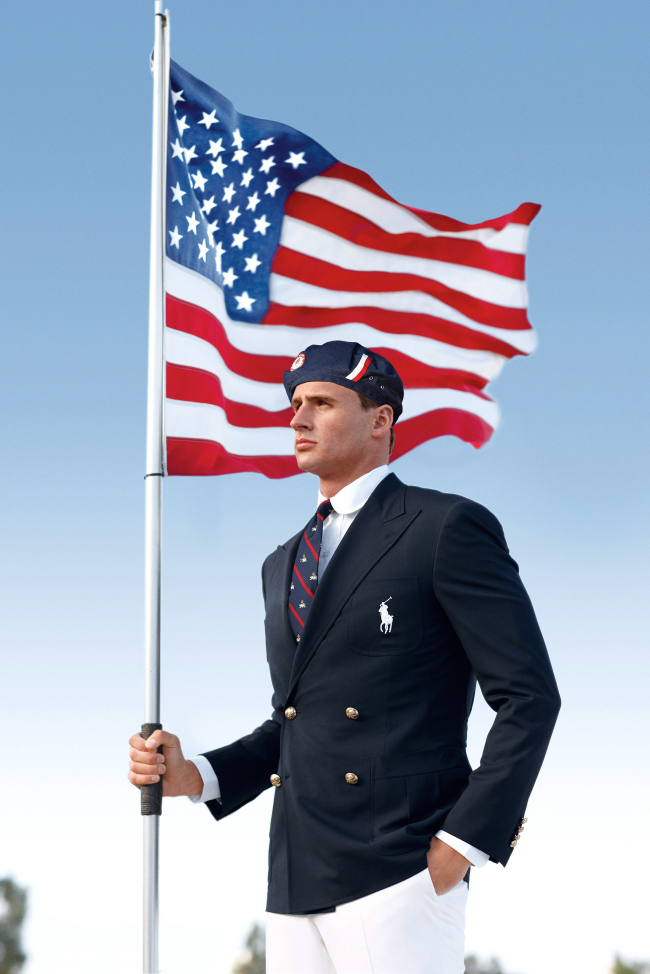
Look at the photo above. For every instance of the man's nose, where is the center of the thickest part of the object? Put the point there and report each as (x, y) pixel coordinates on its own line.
(300, 419)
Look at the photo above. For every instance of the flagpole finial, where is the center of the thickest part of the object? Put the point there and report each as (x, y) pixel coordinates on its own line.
(158, 6)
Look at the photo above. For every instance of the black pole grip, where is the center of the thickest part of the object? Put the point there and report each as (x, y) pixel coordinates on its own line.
(151, 795)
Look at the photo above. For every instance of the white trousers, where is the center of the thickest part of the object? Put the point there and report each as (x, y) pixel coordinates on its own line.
(404, 929)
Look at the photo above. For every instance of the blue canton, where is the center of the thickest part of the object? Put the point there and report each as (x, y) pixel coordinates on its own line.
(228, 178)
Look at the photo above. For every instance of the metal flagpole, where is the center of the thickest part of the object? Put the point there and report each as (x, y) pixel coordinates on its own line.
(151, 795)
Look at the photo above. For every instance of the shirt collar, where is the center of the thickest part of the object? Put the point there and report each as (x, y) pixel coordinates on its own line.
(352, 497)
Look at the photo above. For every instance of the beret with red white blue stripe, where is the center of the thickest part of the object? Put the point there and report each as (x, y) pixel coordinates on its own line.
(351, 365)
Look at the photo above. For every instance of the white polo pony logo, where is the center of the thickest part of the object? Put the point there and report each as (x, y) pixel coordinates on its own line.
(386, 624)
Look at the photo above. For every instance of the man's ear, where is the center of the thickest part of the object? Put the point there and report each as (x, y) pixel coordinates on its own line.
(383, 420)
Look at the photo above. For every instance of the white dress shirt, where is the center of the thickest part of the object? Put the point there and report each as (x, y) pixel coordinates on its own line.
(346, 505)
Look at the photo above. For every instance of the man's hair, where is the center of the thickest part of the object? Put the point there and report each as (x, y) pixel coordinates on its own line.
(368, 403)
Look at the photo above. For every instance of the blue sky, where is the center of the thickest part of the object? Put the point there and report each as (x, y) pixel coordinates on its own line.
(467, 109)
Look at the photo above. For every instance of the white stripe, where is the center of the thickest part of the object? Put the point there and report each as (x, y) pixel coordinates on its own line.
(184, 349)
(355, 372)
(199, 421)
(323, 245)
(287, 340)
(394, 218)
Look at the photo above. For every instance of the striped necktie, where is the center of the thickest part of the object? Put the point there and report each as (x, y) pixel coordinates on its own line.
(304, 580)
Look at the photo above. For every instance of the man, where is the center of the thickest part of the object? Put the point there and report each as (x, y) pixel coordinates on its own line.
(381, 614)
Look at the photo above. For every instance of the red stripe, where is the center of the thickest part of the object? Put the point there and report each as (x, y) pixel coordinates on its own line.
(195, 385)
(311, 548)
(344, 223)
(311, 270)
(410, 433)
(311, 594)
(296, 615)
(524, 214)
(364, 369)
(391, 322)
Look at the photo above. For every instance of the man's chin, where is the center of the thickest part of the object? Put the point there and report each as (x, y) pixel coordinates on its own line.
(307, 460)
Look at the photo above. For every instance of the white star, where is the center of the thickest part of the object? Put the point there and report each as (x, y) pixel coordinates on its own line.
(264, 144)
(203, 249)
(261, 225)
(237, 139)
(267, 164)
(239, 239)
(252, 202)
(296, 159)
(199, 180)
(179, 151)
(229, 192)
(218, 167)
(244, 303)
(176, 237)
(252, 263)
(209, 120)
(192, 224)
(219, 254)
(246, 178)
(272, 187)
(215, 148)
(238, 156)
(211, 228)
(190, 154)
(208, 205)
(177, 96)
(233, 215)
(230, 277)
(178, 194)
(182, 124)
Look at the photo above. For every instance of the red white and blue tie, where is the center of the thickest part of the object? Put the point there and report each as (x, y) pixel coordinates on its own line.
(304, 580)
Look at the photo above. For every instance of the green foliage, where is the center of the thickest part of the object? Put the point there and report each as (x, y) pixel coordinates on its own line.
(13, 906)
(631, 968)
(253, 958)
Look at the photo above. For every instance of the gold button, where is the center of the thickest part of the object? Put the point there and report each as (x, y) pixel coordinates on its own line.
(290, 713)
(523, 821)
(513, 843)
(519, 830)
(276, 780)
(352, 713)
(351, 778)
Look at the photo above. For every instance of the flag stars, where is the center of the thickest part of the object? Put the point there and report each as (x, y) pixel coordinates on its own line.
(237, 139)
(272, 187)
(246, 178)
(233, 215)
(267, 164)
(228, 193)
(218, 167)
(176, 237)
(190, 154)
(239, 239)
(229, 277)
(253, 202)
(252, 263)
(203, 249)
(211, 229)
(182, 124)
(261, 225)
(244, 302)
(199, 180)
(177, 96)
(296, 159)
(264, 144)
(192, 224)
(177, 194)
(215, 148)
(178, 150)
(239, 156)
(209, 120)
(208, 206)
(220, 251)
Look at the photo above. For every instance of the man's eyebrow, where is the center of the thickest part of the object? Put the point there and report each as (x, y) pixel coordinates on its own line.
(313, 396)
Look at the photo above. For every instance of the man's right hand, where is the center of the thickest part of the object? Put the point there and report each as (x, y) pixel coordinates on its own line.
(180, 777)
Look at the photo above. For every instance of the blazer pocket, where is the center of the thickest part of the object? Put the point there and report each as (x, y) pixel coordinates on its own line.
(384, 617)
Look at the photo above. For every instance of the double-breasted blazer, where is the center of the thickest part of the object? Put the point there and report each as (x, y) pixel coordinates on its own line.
(460, 613)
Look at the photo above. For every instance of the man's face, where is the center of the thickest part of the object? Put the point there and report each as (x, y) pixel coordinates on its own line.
(332, 429)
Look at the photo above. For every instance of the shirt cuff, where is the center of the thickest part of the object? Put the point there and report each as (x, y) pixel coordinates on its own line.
(475, 856)
(211, 789)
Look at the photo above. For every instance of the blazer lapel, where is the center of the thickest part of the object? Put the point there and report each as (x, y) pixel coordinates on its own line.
(277, 602)
(377, 526)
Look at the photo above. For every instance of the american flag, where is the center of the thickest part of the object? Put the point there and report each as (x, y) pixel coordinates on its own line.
(273, 245)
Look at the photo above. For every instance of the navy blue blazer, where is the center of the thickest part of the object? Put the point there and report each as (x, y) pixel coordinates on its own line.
(460, 613)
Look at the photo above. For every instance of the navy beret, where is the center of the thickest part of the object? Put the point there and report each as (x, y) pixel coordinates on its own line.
(351, 365)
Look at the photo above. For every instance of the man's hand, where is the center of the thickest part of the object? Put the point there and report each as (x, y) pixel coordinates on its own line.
(181, 777)
(446, 866)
